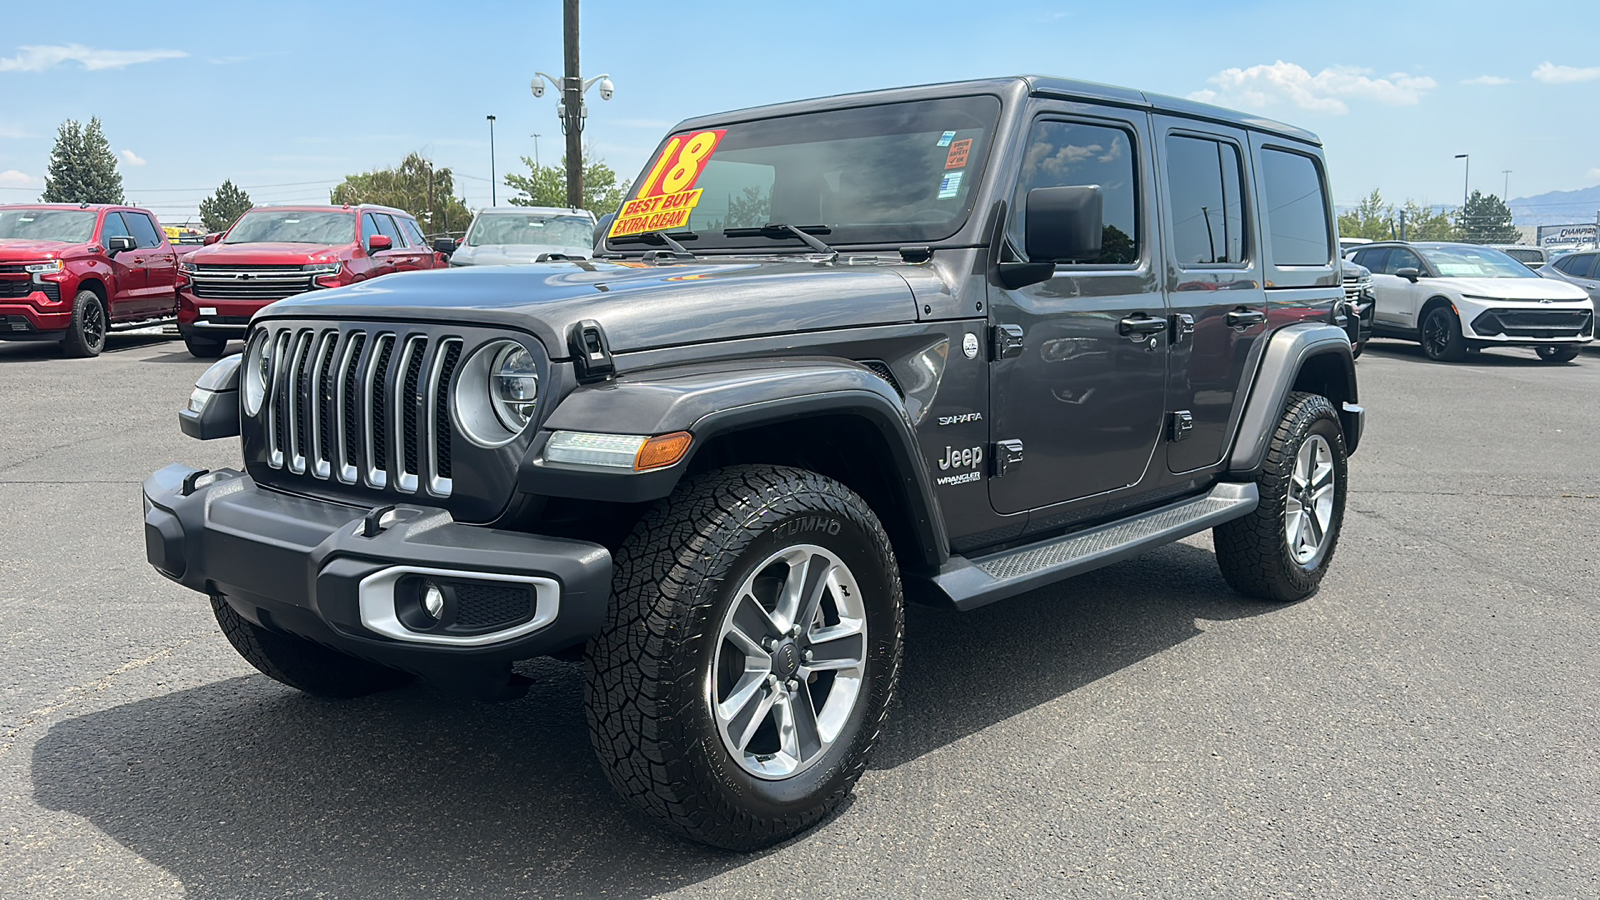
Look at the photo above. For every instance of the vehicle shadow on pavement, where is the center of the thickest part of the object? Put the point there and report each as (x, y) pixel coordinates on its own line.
(48, 351)
(245, 788)
(1510, 357)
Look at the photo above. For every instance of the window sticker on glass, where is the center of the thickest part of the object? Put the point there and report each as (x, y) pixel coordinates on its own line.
(958, 154)
(1460, 270)
(668, 195)
(949, 185)
(946, 138)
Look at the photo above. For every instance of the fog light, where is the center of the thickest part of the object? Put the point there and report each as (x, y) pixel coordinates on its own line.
(432, 600)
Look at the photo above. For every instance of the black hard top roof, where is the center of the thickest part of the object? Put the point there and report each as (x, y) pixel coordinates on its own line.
(1017, 87)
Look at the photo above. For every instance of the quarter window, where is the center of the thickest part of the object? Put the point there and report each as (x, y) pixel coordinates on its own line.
(1205, 181)
(1582, 265)
(1297, 209)
(1073, 153)
(412, 232)
(1373, 259)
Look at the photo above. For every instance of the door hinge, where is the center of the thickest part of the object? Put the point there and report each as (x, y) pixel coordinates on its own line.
(1007, 456)
(1182, 327)
(1182, 422)
(591, 352)
(1005, 341)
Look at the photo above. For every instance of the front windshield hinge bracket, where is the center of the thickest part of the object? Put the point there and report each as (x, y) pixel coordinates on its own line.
(916, 254)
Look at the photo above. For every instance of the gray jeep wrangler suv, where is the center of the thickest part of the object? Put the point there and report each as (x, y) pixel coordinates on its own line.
(946, 343)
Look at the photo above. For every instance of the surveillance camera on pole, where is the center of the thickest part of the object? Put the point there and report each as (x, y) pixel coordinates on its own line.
(572, 110)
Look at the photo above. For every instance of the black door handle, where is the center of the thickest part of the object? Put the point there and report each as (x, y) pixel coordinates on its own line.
(1141, 325)
(1244, 318)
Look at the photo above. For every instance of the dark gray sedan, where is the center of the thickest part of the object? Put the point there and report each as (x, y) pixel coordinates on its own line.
(1581, 268)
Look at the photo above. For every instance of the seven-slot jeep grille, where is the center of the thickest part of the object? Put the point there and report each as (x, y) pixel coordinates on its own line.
(361, 408)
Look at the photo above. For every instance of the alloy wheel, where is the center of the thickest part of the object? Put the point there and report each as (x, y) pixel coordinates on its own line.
(1308, 514)
(789, 662)
(94, 325)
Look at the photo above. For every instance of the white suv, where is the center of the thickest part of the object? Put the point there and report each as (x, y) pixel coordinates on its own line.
(1459, 297)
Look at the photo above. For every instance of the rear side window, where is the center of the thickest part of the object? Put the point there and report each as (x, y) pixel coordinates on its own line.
(144, 231)
(412, 232)
(1206, 186)
(113, 227)
(1296, 209)
(1581, 265)
(1373, 259)
(1073, 153)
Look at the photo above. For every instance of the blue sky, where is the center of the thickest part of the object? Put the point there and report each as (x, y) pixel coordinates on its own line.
(286, 98)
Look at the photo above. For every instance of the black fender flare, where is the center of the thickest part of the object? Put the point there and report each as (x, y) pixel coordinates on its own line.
(1287, 353)
(708, 400)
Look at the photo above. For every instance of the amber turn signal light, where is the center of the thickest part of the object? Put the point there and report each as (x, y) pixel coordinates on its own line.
(662, 450)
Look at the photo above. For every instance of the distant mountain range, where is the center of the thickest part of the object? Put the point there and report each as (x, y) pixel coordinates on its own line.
(1557, 207)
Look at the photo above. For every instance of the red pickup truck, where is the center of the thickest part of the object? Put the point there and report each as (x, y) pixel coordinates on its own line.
(274, 252)
(72, 273)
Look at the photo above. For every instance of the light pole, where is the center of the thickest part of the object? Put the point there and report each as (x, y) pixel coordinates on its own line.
(492, 201)
(1465, 176)
(535, 150)
(1505, 192)
(573, 111)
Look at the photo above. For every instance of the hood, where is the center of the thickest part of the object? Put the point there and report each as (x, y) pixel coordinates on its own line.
(512, 254)
(20, 249)
(640, 305)
(262, 254)
(1534, 289)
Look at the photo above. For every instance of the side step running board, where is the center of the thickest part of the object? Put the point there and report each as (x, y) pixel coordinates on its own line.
(144, 323)
(970, 583)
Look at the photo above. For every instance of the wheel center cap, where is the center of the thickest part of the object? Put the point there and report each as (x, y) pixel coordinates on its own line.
(786, 660)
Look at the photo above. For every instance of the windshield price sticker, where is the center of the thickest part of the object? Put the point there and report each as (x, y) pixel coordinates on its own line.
(667, 195)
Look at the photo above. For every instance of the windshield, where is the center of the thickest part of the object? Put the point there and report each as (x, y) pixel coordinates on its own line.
(902, 172)
(1474, 262)
(512, 228)
(291, 227)
(70, 226)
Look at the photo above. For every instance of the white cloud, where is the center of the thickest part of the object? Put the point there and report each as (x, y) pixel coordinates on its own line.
(1487, 79)
(1593, 173)
(1549, 73)
(13, 178)
(131, 158)
(39, 57)
(1263, 86)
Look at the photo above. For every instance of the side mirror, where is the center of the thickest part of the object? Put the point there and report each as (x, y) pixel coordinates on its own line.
(211, 238)
(119, 243)
(1409, 273)
(445, 245)
(601, 227)
(379, 242)
(1064, 223)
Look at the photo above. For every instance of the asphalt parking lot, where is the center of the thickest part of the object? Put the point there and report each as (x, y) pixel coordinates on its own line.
(1425, 726)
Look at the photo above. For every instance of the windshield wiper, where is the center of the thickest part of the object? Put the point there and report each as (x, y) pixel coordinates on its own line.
(654, 237)
(782, 230)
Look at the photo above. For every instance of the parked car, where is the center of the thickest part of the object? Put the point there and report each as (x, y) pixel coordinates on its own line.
(273, 252)
(1359, 302)
(952, 342)
(1346, 244)
(74, 272)
(1458, 298)
(1582, 269)
(1530, 256)
(525, 234)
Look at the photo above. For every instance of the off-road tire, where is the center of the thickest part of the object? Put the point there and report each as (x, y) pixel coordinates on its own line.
(86, 335)
(1554, 354)
(1253, 550)
(1441, 336)
(301, 664)
(204, 348)
(648, 688)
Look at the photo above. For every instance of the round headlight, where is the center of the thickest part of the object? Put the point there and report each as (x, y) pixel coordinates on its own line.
(514, 387)
(496, 393)
(257, 373)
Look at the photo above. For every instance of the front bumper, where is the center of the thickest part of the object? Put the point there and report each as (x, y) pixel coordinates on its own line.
(205, 317)
(40, 319)
(306, 567)
(1526, 324)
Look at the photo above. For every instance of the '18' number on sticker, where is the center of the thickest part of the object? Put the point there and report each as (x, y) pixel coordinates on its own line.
(682, 160)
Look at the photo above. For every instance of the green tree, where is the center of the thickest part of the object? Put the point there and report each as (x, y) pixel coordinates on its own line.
(547, 185)
(223, 208)
(1370, 219)
(1424, 223)
(82, 167)
(1486, 220)
(416, 186)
